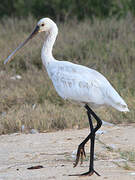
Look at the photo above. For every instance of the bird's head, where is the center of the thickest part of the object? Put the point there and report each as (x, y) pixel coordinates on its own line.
(43, 25)
(46, 24)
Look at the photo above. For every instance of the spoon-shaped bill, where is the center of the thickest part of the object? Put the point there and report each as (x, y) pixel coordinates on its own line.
(36, 30)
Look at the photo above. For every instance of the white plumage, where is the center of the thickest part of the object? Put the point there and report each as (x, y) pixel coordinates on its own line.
(72, 81)
(76, 83)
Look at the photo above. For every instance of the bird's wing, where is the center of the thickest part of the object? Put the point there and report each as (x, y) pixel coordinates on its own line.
(77, 82)
(83, 84)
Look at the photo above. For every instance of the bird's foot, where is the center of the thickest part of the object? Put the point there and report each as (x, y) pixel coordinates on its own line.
(89, 173)
(80, 155)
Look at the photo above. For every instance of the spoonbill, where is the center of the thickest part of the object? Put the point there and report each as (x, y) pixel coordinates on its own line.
(77, 83)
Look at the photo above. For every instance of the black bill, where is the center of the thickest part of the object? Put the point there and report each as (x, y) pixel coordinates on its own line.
(36, 30)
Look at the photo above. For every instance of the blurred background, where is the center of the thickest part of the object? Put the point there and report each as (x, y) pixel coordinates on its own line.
(64, 10)
(95, 33)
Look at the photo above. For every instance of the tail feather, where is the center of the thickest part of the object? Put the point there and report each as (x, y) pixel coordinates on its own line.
(116, 100)
(121, 107)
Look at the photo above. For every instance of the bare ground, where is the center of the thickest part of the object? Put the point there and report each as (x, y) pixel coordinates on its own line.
(54, 152)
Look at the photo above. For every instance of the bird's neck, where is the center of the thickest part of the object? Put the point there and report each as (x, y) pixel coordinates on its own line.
(48, 46)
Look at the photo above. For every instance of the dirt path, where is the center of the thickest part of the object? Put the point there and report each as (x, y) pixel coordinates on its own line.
(54, 152)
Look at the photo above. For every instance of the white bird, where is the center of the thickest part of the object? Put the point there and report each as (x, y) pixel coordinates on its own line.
(76, 83)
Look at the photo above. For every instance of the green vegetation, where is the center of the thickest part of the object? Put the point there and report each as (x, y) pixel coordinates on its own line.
(63, 10)
(128, 155)
(107, 46)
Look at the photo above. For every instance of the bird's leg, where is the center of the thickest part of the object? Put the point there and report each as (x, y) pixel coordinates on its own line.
(92, 143)
(81, 152)
(92, 139)
(91, 136)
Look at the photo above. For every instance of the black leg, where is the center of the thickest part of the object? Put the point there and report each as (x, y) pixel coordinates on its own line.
(91, 168)
(92, 143)
(91, 136)
(99, 122)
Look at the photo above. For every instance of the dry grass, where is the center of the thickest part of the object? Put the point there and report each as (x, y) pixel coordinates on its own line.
(107, 46)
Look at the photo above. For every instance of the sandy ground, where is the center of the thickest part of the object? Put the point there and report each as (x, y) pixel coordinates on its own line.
(54, 152)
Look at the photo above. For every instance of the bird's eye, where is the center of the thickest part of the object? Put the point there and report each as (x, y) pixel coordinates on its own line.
(42, 24)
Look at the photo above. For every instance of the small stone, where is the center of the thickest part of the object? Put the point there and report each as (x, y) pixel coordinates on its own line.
(16, 77)
(73, 155)
(22, 128)
(101, 132)
(33, 106)
(107, 123)
(132, 173)
(3, 113)
(33, 131)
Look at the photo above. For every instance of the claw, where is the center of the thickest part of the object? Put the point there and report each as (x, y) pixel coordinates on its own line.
(80, 155)
(89, 173)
